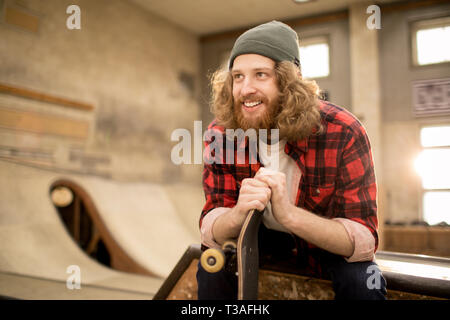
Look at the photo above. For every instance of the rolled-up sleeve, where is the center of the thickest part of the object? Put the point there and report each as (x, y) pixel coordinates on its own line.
(219, 186)
(362, 239)
(356, 188)
(206, 229)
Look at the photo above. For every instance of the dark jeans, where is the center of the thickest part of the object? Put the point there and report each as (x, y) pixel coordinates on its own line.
(356, 280)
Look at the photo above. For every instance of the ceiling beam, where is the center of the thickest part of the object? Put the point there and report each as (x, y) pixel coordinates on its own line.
(327, 17)
(323, 18)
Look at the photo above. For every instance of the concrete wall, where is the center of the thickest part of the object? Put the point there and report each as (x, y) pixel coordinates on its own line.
(140, 72)
(214, 53)
(401, 140)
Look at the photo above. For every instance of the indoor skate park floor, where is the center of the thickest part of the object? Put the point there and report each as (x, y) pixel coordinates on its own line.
(36, 249)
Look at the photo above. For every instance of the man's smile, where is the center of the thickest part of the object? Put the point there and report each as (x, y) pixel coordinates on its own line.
(251, 105)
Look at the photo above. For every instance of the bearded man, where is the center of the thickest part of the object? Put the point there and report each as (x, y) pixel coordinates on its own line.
(319, 201)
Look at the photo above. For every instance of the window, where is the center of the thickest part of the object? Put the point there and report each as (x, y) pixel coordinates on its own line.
(431, 41)
(314, 57)
(433, 165)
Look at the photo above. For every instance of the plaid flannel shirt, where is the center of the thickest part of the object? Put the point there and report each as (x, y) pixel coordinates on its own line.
(337, 181)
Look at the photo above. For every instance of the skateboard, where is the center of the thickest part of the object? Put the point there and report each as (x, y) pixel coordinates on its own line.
(245, 251)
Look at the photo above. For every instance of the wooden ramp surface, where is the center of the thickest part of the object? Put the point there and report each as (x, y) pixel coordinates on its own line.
(35, 246)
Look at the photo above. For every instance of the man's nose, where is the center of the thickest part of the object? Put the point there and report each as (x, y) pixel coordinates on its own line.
(248, 87)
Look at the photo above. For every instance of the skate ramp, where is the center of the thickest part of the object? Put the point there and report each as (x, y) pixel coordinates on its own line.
(35, 245)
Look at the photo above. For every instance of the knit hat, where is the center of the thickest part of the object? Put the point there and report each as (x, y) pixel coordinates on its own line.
(274, 40)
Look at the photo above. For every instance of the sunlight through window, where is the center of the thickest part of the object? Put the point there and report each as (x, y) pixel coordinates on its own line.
(314, 58)
(433, 166)
(435, 136)
(436, 207)
(432, 41)
(433, 45)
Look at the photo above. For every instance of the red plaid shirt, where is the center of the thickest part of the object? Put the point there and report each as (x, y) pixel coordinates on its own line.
(337, 181)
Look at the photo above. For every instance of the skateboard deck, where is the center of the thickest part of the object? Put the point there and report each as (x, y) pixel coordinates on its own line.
(245, 252)
(248, 257)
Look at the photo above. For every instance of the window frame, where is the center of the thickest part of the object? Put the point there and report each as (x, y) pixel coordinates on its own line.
(424, 24)
(317, 39)
(428, 124)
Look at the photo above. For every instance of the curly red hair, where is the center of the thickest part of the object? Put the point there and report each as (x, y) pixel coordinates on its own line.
(298, 115)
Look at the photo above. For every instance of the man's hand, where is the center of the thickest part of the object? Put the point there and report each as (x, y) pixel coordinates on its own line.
(327, 234)
(280, 195)
(253, 194)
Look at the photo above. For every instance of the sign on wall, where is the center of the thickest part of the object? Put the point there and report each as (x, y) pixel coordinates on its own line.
(431, 97)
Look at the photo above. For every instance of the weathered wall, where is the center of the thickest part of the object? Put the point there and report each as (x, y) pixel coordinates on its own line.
(140, 72)
(401, 140)
(213, 55)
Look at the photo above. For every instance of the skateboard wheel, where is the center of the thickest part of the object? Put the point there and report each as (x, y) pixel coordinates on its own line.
(229, 245)
(212, 260)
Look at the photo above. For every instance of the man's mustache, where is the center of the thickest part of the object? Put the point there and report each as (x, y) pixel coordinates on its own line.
(251, 98)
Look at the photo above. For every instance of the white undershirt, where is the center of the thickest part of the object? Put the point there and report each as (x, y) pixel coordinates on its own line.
(274, 158)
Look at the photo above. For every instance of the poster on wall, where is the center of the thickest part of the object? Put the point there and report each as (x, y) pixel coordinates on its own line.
(431, 97)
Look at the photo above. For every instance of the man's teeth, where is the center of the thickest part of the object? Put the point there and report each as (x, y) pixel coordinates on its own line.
(252, 104)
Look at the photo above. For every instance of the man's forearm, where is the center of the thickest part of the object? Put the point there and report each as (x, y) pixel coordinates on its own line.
(224, 229)
(253, 194)
(324, 233)
(327, 234)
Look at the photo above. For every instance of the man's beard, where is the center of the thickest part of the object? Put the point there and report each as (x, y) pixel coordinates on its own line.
(264, 121)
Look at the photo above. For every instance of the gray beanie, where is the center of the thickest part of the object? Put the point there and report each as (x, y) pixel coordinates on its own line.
(274, 40)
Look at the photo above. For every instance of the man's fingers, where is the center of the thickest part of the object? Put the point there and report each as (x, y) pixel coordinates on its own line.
(254, 194)
(256, 204)
(253, 182)
(264, 171)
(270, 181)
(255, 190)
(262, 195)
